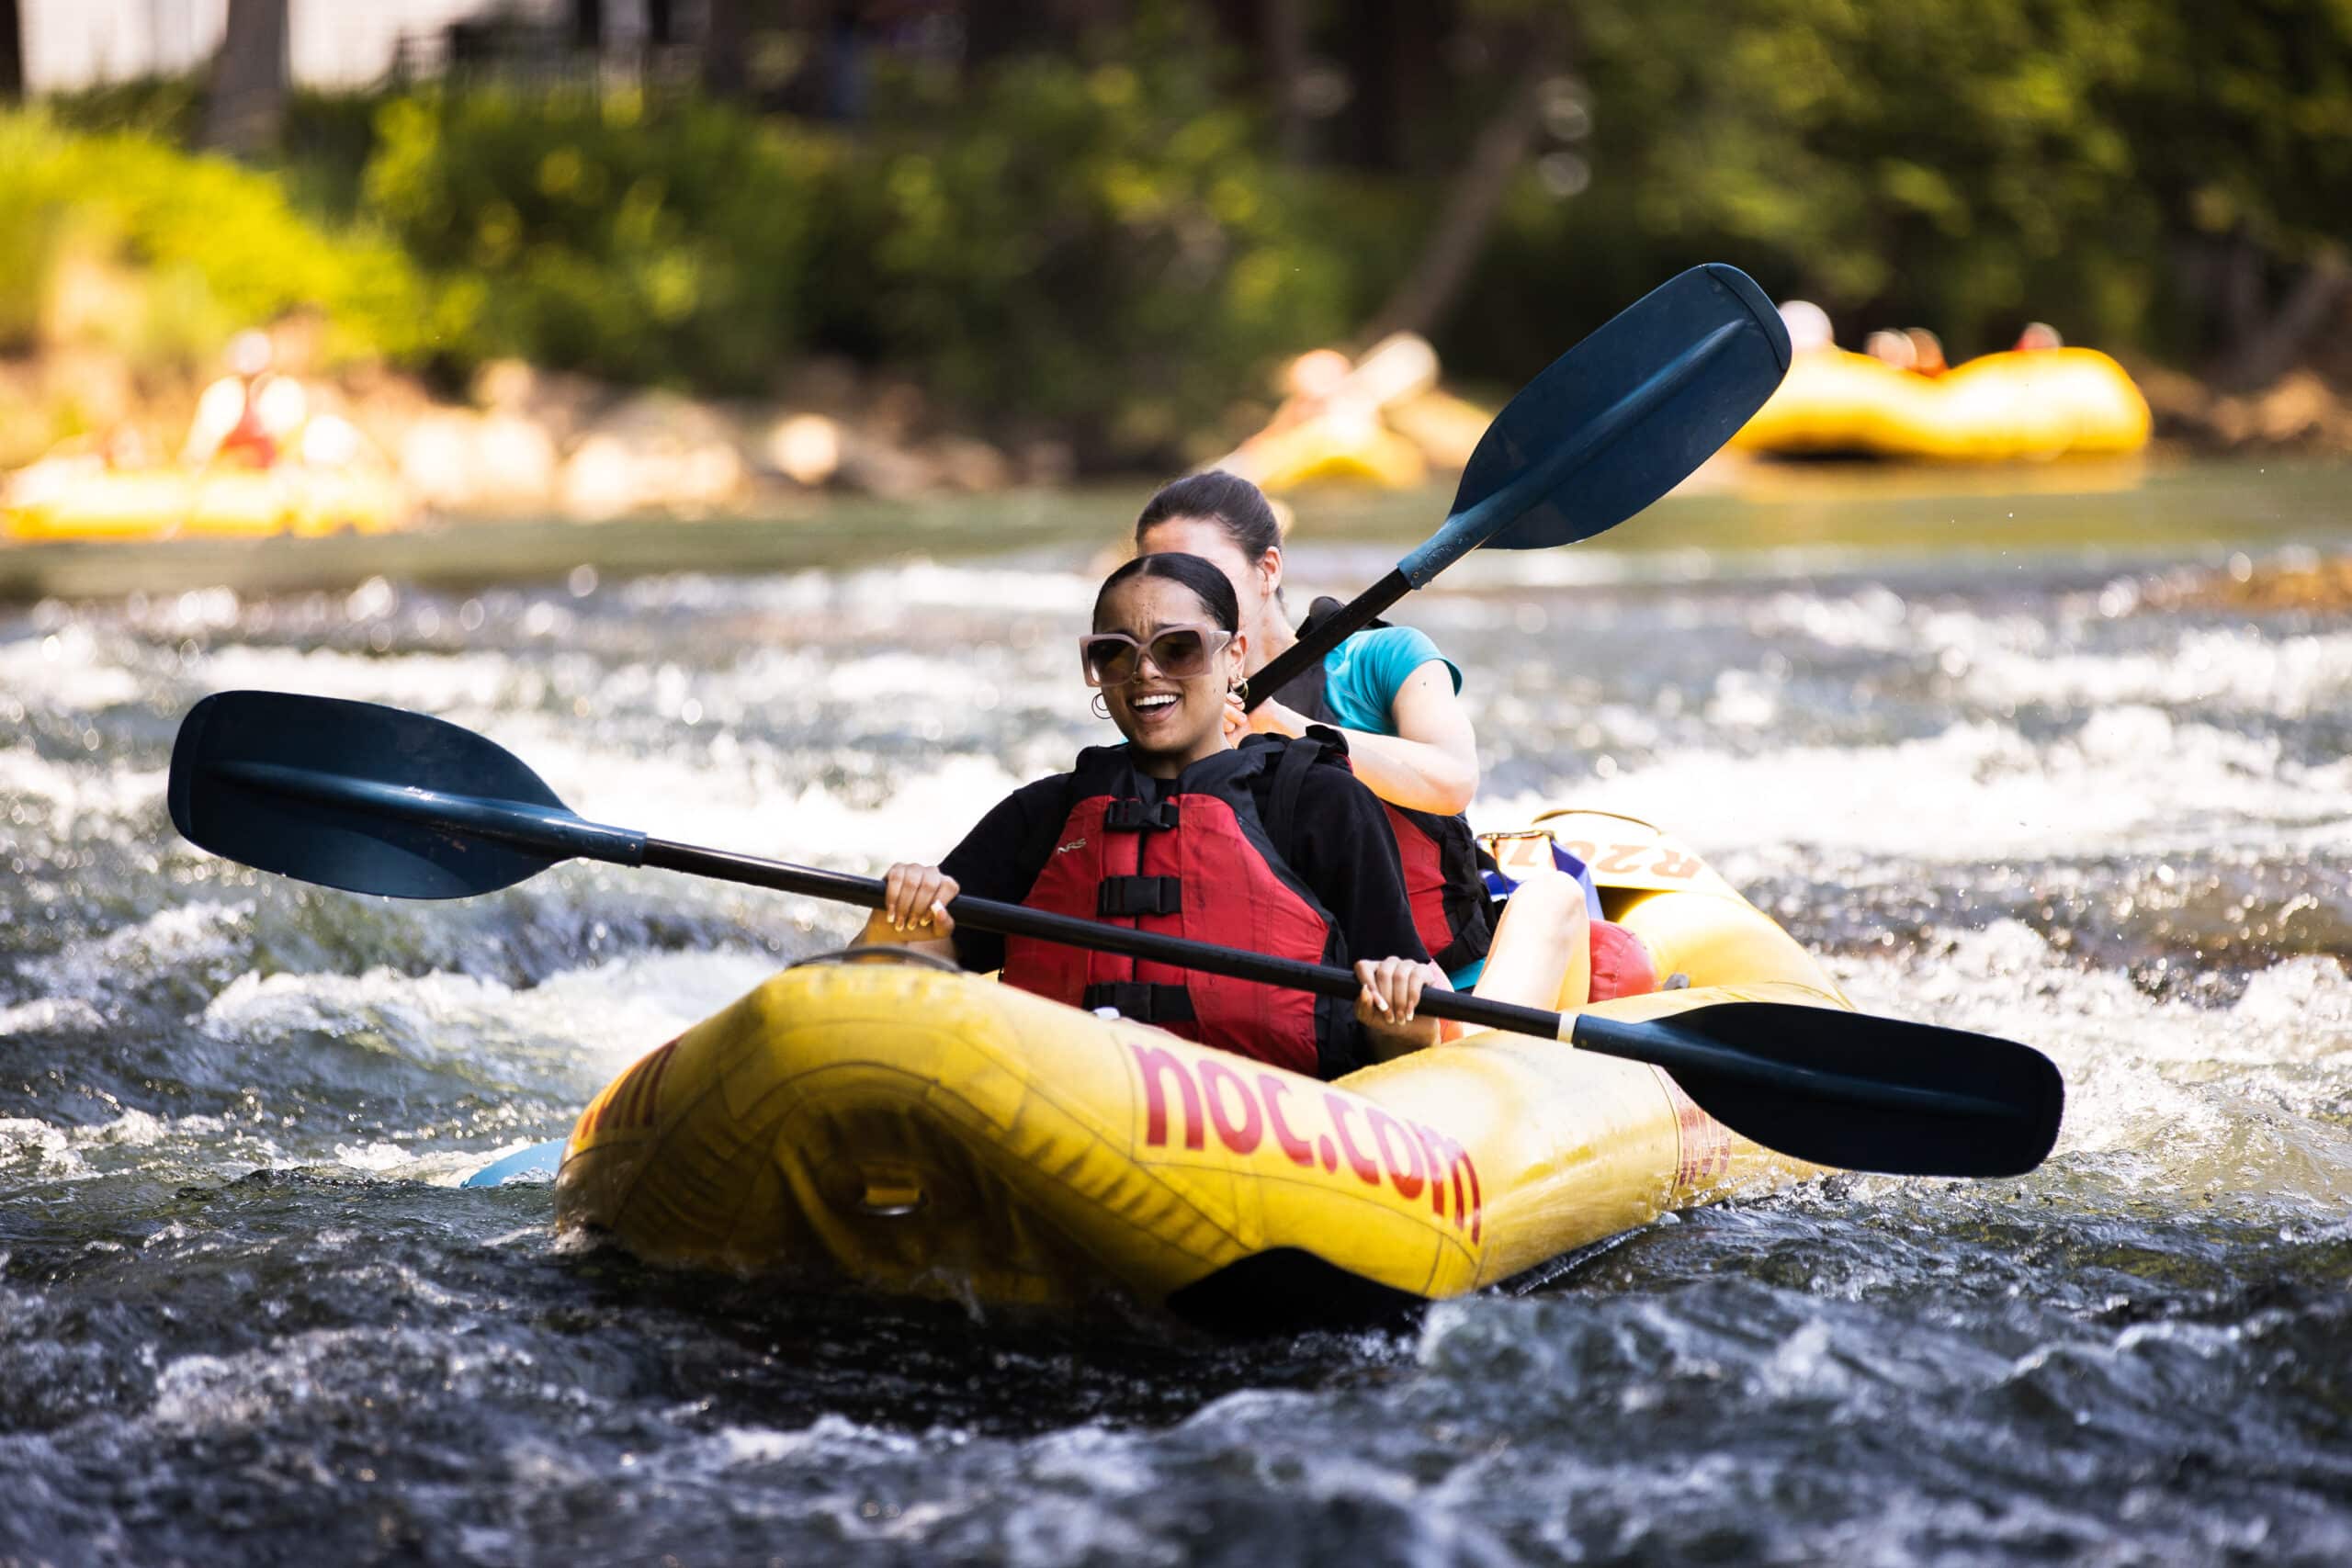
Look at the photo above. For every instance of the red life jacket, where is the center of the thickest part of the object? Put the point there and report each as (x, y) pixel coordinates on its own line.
(1439, 855)
(1203, 862)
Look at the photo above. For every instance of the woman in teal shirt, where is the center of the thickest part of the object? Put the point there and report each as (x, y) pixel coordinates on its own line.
(1395, 698)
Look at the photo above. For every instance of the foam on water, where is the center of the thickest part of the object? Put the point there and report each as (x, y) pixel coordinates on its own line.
(178, 935)
(51, 1015)
(2222, 669)
(68, 670)
(245, 1310)
(587, 1024)
(2163, 1095)
(78, 798)
(2127, 779)
(445, 683)
(32, 1149)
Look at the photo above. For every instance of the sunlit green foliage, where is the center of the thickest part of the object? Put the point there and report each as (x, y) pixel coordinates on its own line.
(592, 233)
(1096, 249)
(1102, 246)
(1094, 240)
(186, 249)
(2240, 112)
(1964, 164)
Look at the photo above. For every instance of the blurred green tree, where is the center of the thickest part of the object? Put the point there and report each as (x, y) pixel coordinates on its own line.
(1104, 222)
(171, 253)
(1098, 244)
(2239, 113)
(658, 240)
(1964, 164)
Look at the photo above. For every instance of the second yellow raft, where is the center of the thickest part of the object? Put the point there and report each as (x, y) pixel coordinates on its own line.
(898, 1129)
(2043, 404)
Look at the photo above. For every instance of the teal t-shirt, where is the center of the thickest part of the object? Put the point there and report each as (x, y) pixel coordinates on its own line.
(1361, 679)
(1363, 675)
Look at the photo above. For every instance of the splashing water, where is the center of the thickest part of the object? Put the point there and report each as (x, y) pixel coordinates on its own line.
(248, 1312)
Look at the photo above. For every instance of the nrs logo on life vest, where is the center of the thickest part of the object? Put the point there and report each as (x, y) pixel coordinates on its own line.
(1187, 1099)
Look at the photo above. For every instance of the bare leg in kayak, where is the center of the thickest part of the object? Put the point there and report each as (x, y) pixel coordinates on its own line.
(1541, 953)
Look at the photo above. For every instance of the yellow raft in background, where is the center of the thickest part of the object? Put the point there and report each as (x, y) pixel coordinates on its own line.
(2042, 403)
(894, 1128)
(227, 501)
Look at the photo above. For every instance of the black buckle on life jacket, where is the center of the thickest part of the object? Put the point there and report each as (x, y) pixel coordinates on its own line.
(1133, 815)
(1138, 896)
(1144, 1004)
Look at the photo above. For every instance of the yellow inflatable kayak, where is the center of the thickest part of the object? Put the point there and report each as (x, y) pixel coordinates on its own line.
(895, 1128)
(2043, 404)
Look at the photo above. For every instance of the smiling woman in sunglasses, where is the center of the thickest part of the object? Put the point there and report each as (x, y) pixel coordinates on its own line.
(1270, 844)
(1395, 698)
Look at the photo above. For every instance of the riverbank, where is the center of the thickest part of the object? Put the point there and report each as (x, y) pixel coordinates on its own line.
(531, 445)
(2301, 413)
(1768, 523)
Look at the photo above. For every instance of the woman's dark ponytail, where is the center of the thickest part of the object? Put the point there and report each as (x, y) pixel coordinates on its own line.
(1230, 502)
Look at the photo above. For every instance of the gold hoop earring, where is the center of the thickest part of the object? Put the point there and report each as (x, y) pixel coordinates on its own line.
(1240, 689)
(1101, 706)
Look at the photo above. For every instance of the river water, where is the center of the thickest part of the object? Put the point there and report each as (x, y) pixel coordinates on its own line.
(2032, 762)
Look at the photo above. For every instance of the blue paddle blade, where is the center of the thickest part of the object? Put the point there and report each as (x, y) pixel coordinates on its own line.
(523, 1165)
(1617, 421)
(368, 799)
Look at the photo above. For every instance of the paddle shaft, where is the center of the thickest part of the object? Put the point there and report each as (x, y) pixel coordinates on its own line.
(1310, 649)
(560, 835)
(1609, 1037)
(1015, 919)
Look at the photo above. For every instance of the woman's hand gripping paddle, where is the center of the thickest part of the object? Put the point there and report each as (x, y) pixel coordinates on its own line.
(374, 800)
(1613, 425)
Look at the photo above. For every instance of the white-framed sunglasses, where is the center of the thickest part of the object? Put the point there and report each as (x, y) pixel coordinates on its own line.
(1179, 652)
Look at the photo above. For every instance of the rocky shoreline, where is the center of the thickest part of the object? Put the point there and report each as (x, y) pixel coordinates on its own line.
(537, 444)
(529, 443)
(554, 445)
(2301, 413)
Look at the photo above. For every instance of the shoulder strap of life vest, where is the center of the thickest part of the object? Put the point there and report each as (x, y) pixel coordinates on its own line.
(1308, 692)
(1320, 744)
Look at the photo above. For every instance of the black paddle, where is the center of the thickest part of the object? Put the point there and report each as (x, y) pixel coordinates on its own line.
(375, 800)
(1610, 426)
